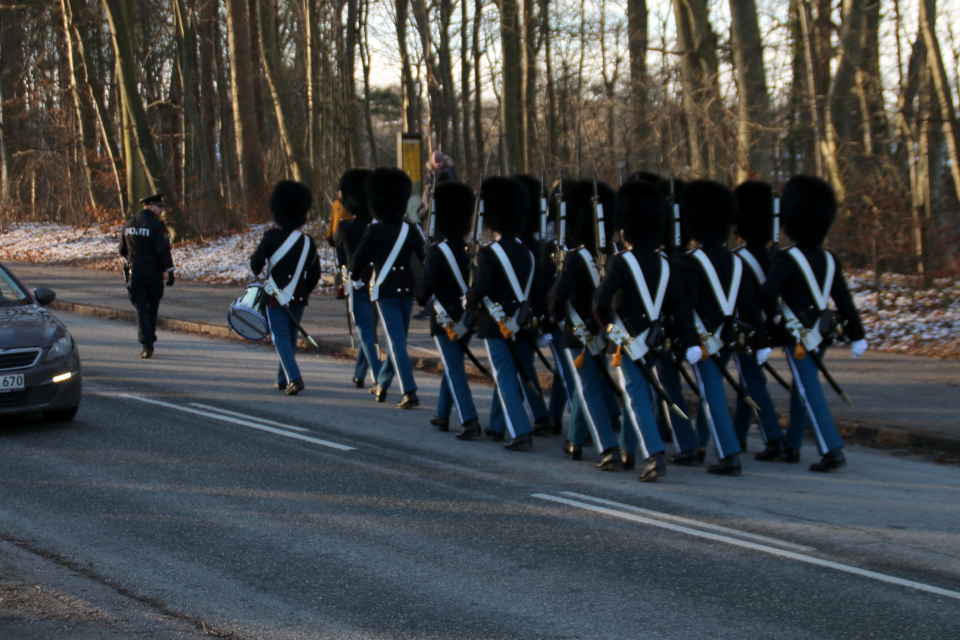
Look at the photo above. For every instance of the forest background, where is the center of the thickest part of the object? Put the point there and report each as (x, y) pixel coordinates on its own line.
(211, 101)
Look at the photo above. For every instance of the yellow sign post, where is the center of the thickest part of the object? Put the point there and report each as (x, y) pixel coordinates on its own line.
(410, 159)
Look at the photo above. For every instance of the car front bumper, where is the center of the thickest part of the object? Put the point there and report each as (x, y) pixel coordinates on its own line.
(41, 393)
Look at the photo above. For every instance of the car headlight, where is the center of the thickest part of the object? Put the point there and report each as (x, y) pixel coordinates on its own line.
(60, 348)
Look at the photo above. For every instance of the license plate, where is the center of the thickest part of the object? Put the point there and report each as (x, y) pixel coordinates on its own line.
(12, 382)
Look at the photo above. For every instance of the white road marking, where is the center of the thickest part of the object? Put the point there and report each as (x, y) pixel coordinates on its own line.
(247, 417)
(751, 545)
(245, 423)
(691, 522)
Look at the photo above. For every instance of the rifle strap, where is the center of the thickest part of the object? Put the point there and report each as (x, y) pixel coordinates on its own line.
(591, 266)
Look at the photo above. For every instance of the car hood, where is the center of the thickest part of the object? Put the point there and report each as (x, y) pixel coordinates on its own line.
(27, 326)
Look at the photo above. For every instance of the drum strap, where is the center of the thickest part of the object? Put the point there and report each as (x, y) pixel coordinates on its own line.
(285, 295)
(388, 263)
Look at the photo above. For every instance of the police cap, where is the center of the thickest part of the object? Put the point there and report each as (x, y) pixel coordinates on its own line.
(156, 199)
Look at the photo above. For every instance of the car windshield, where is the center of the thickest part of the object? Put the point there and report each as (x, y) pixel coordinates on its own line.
(10, 291)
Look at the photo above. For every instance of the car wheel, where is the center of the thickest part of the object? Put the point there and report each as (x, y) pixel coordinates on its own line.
(61, 415)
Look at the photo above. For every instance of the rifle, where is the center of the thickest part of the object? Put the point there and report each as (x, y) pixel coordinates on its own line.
(432, 224)
(477, 229)
(826, 374)
(543, 208)
(658, 388)
(561, 251)
(600, 241)
(733, 383)
(675, 206)
(776, 214)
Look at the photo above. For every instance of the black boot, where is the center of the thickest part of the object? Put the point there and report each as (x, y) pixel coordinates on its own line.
(147, 350)
(656, 468)
(441, 423)
(496, 436)
(688, 458)
(471, 429)
(295, 387)
(543, 427)
(610, 460)
(628, 460)
(773, 451)
(573, 451)
(358, 383)
(830, 461)
(520, 443)
(790, 455)
(380, 392)
(409, 401)
(729, 466)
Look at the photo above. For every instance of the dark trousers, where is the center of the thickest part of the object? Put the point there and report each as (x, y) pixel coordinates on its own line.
(145, 294)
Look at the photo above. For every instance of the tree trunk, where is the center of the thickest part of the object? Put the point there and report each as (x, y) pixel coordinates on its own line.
(365, 64)
(351, 108)
(436, 114)
(13, 94)
(754, 122)
(477, 91)
(641, 140)
(941, 86)
(246, 132)
(411, 93)
(468, 156)
(511, 99)
(77, 83)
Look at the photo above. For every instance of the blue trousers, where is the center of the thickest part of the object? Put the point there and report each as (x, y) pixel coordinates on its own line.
(713, 405)
(683, 433)
(755, 382)
(639, 398)
(589, 407)
(508, 387)
(367, 357)
(454, 389)
(283, 332)
(533, 398)
(559, 395)
(808, 406)
(395, 319)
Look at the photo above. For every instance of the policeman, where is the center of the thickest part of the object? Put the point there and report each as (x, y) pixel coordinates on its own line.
(145, 244)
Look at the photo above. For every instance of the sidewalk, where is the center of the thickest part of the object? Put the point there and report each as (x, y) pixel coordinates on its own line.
(901, 401)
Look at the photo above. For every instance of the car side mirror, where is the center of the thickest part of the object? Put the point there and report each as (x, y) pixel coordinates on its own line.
(44, 296)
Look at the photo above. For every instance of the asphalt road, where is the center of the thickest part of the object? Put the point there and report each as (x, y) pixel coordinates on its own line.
(328, 515)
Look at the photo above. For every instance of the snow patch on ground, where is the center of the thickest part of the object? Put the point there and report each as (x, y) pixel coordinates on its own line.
(907, 320)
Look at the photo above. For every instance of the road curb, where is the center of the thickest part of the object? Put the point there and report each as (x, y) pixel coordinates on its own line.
(886, 437)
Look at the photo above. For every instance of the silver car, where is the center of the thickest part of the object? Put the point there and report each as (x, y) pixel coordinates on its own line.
(39, 363)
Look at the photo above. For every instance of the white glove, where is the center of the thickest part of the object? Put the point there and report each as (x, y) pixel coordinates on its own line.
(763, 355)
(858, 348)
(544, 340)
(463, 302)
(357, 284)
(694, 355)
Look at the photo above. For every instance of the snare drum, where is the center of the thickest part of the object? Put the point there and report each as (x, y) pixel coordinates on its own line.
(247, 316)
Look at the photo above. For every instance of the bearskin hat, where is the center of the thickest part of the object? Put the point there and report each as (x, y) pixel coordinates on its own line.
(454, 209)
(754, 219)
(808, 208)
(353, 192)
(581, 223)
(642, 213)
(289, 204)
(532, 225)
(388, 191)
(504, 205)
(707, 209)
